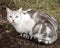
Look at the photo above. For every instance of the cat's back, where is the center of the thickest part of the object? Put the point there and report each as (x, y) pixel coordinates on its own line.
(40, 16)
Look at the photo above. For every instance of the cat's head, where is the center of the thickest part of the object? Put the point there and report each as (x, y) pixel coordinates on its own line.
(13, 16)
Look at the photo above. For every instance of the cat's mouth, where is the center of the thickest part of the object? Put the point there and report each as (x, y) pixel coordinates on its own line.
(13, 22)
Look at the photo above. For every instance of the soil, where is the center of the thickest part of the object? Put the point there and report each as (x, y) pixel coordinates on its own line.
(11, 39)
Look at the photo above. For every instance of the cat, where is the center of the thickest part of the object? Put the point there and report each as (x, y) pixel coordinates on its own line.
(34, 24)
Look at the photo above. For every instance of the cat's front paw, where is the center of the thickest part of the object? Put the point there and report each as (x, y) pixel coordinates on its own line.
(21, 35)
(26, 36)
(30, 37)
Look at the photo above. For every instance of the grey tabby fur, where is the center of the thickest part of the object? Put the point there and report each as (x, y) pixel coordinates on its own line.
(41, 33)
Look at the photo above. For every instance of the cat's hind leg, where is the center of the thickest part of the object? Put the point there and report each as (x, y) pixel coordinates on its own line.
(51, 39)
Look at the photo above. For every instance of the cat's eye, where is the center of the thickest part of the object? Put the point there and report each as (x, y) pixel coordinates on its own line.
(24, 13)
(10, 16)
(16, 17)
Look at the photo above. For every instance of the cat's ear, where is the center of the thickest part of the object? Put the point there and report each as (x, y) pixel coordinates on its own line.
(20, 10)
(8, 10)
(28, 10)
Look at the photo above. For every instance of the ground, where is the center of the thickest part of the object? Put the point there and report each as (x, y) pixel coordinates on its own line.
(10, 38)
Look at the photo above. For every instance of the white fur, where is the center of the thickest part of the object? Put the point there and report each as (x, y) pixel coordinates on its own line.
(23, 24)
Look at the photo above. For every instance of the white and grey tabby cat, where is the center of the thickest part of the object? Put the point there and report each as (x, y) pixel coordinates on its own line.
(37, 24)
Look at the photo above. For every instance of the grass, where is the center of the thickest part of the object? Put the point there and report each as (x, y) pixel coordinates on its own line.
(52, 7)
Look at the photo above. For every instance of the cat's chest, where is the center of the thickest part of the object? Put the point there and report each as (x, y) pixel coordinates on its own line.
(25, 26)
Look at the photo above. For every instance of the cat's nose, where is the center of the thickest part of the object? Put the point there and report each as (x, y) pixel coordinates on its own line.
(13, 21)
